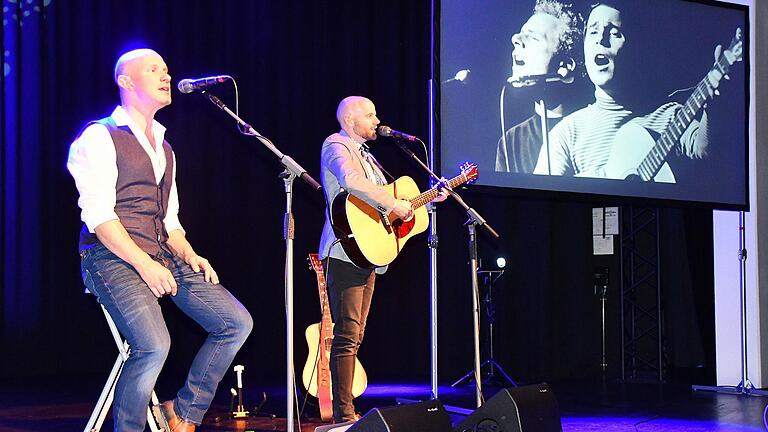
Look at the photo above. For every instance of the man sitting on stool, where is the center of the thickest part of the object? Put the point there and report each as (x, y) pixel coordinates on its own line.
(134, 251)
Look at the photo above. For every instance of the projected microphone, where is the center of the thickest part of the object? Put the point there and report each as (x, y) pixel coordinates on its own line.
(532, 80)
(190, 85)
(461, 76)
(389, 132)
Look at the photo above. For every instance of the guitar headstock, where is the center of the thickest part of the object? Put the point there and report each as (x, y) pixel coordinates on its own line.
(469, 170)
(736, 49)
(314, 263)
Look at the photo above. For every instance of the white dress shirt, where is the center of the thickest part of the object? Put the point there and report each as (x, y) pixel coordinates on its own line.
(93, 163)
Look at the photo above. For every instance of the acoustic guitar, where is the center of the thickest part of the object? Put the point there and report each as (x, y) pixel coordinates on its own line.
(371, 238)
(317, 372)
(636, 153)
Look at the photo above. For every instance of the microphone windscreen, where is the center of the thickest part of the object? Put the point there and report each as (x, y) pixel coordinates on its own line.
(384, 131)
(185, 86)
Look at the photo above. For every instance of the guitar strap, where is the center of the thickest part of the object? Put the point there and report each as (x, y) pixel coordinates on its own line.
(379, 176)
(381, 168)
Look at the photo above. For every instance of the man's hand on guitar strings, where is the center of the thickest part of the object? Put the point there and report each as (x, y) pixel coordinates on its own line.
(715, 75)
(403, 209)
(442, 190)
(442, 195)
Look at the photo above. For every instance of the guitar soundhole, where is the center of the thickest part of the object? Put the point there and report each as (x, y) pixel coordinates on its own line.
(402, 228)
(634, 178)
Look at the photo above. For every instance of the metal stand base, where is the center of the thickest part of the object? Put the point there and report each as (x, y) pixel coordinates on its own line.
(745, 386)
(742, 389)
(490, 378)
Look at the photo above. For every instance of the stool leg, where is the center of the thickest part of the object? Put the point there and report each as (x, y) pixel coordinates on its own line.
(150, 417)
(104, 403)
(105, 399)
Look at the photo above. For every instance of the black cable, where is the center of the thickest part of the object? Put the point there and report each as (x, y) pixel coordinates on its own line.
(765, 417)
(645, 421)
(314, 369)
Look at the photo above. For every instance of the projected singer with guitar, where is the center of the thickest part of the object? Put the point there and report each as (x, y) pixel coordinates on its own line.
(347, 166)
(593, 141)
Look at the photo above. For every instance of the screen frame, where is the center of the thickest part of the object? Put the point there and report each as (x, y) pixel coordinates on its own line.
(595, 197)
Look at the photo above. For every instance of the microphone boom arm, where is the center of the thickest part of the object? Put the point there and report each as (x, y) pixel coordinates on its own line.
(291, 165)
(474, 216)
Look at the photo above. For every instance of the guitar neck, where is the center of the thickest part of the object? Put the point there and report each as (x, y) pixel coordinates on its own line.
(653, 161)
(431, 194)
(325, 310)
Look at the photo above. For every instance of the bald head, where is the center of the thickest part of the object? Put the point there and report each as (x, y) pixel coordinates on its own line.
(349, 105)
(143, 79)
(357, 116)
(123, 64)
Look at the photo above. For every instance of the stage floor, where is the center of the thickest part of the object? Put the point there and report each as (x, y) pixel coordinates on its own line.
(65, 405)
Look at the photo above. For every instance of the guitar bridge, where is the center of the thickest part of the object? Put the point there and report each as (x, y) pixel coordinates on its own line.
(385, 220)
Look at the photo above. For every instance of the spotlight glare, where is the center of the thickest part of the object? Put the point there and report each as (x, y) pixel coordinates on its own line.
(501, 262)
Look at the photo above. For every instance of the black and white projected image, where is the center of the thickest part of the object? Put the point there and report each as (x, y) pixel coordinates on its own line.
(583, 96)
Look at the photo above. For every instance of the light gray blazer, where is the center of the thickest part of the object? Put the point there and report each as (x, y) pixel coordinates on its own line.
(341, 168)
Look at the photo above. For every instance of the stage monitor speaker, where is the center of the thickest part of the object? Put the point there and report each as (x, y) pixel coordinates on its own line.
(522, 409)
(428, 416)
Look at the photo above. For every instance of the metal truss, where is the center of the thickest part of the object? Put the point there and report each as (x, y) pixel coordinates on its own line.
(641, 314)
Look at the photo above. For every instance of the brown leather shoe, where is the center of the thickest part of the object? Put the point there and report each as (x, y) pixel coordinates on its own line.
(168, 419)
(348, 420)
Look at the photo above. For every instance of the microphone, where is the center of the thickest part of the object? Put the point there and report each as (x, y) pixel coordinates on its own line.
(461, 76)
(389, 132)
(563, 75)
(532, 80)
(190, 85)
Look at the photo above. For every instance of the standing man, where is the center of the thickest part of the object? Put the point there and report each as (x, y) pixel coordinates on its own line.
(134, 250)
(346, 163)
(582, 142)
(544, 45)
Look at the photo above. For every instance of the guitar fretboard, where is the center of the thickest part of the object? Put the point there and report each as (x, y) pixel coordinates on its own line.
(653, 161)
(431, 194)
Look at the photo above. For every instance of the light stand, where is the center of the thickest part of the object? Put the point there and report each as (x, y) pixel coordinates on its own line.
(432, 243)
(600, 278)
(489, 278)
(240, 411)
(745, 386)
(292, 170)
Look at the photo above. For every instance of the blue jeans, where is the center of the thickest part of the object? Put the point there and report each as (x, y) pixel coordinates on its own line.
(137, 314)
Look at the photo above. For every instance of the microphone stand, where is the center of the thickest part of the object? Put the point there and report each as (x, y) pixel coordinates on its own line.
(474, 220)
(292, 170)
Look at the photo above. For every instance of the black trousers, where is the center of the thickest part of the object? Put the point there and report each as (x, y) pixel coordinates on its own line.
(350, 290)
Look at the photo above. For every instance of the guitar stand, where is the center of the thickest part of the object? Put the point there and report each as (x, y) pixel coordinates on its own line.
(491, 378)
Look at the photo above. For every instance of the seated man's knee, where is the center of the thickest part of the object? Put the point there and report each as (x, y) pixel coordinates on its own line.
(243, 324)
(154, 350)
(236, 326)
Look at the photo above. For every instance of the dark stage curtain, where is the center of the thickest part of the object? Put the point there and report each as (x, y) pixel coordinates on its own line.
(293, 61)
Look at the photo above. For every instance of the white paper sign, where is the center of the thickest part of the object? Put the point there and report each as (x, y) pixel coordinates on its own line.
(602, 245)
(605, 217)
